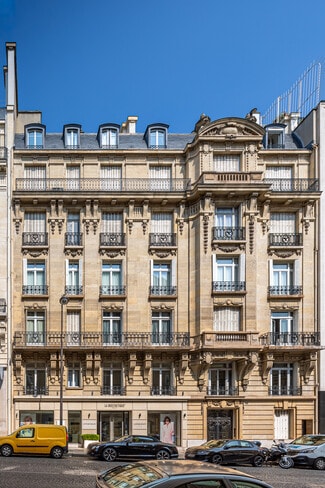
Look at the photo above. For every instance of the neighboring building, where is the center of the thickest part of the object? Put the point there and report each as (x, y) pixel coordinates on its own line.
(182, 271)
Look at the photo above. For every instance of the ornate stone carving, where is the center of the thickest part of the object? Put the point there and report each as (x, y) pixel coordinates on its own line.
(146, 367)
(307, 366)
(266, 365)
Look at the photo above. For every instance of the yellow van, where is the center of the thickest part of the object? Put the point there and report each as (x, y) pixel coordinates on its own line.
(36, 439)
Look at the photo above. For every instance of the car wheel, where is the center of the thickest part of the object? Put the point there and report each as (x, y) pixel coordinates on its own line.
(6, 450)
(162, 454)
(258, 461)
(57, 452)
(216, 459)
(319, 463)
(286, 462)
(109, 454)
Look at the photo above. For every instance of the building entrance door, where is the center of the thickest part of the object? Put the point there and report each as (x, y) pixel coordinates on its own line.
(113, 425)
(220, 424)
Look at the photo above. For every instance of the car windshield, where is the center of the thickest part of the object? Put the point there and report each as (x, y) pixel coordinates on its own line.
(309, 440)
(214, 443)
(129, 476)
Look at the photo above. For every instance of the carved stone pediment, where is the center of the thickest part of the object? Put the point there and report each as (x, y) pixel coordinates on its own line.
(232, 127)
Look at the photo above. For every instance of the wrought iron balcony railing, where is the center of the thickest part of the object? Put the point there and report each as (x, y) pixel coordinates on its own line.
(293, 184)
(36, 390)
(35, 239)
(228, 286)
(163, 290)
(285, 240)
(73, 290)
(219, 391)
(103, 184)
(73, 239)
(285, 290)
(136, 340)
(112, 390)
(112, 290)
(228, 233)
(35, 146)
(162, 240)
(284, 391)
(290, 339)
(165, 390)
(35, 290)
(113, 239)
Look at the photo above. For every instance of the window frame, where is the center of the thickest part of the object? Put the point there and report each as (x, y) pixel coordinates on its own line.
(71, 134)
(74, 372)
(108, 130)
(32, 131)
(156, 136)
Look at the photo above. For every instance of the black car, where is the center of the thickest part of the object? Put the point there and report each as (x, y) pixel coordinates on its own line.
(226, 451)
(132, 446)
(175, 474)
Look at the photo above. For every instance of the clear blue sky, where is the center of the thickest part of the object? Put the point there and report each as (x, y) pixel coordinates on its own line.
(166, 61)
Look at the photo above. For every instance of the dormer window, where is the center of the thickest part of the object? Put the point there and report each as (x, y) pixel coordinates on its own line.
(156, 136)
(108, 136)
(34, 136)
(274, 136)
(72, 136)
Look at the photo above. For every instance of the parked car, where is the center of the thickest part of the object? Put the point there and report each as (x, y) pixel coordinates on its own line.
(226, 451)
(173, 474)
(308, 450)
(132, 446)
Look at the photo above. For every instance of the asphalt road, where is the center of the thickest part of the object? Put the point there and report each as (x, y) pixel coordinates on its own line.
(80, 472)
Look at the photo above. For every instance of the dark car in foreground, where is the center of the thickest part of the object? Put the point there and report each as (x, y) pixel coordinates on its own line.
(175, 474)
(132, 446)
(308, 450)
(228, 451)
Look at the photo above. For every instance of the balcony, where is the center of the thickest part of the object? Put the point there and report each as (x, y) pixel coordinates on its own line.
(296, 185)
(36, 390)
(85, 340)
(111, 239)
(215, 391)
(163, 291)
(107, 290)
(34, 239)
(285, 391)
(290, 290)
(290, 339)
(228, 286)
(285, 240)
(112, 390)
(71, 290)
(228, 233)
(131, 185)
(226, 340)
(162, 240)
(35, 290)
(73, 239)
(160, 391)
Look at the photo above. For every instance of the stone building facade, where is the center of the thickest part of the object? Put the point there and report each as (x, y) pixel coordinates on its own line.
(160, 274)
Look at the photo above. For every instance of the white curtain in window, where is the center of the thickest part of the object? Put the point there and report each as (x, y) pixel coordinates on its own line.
(283, 223)
(226, 163)
(110, 177)
(112, 223)
(35, 172)
(278, 172)
(160, 172)
(161, 223)
(226, 319)
(35, 222)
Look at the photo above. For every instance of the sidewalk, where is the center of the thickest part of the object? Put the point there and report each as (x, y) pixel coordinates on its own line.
(76, 450)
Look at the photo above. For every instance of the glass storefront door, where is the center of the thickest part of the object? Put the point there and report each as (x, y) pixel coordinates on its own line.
(74, 426)
(113, 425)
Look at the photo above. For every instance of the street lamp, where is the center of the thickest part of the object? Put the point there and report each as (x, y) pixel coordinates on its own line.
(63, 301)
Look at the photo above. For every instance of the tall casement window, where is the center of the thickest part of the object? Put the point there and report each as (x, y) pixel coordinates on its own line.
(111, 178)
(112, 229)
(274, 137)
(72, 136)
(35, 178)
(282, 328)
(36, 383)
(162, 379)
(162, 278)
(35, 327)
(34, 278)
(283, 230)
(73, 177)
(227, 224)
(73, 277)
(226, 163)
(160, 177)
(73, 327)
(74, 374)
(226, 319)
(229, 273)
(282, 379)
(73, 236)
(284, 278)
(157, 138)
(280, 177)
(35, 229)
(112, 279)
(162, 229)
(161, 328)
(112, 328)
(221, 379)
(35, 137)
(112, 379)
(109, 137)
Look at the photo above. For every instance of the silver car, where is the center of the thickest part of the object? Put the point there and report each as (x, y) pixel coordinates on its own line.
(308, 450)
